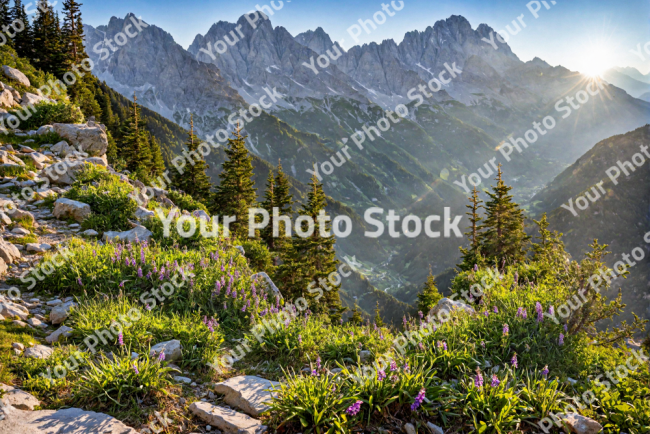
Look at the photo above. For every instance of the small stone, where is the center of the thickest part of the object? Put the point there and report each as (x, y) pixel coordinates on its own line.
(172, 350)
(62, 331)
(90, 233)
(54, 302)
(39, 248)
(435, 428)
(19, 323)
(409, 428)
(581, 424)
(184, 380)
(20, 231)
(18, 346)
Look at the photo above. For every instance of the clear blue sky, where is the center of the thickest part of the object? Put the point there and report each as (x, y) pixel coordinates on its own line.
(578, 34)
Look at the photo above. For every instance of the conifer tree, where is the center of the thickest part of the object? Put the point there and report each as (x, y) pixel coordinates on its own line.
(73, 32)
(5, 16)
(472, 255)
(135, 145)
(378, 320)
(157, 161)
(310, 260)
(48, 52)
(503, 236)
(277, 195)
(22, 41)
(236, 193)
(356, 318)
(430, 296)
(194, 180)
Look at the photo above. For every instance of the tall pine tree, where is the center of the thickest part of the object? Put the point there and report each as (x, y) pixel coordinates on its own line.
(47, 42)
(277, 195)
(236, 193)
(5, 17)
(309, 260)
(135, 145)
(503, 236)
(472, 255)
(430, 296)
(22, 41)
(73, 33)
(194, 180)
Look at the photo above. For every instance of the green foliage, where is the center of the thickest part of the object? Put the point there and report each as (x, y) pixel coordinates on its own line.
(185, 201)
(142, 328)
(276, 196)
(306, 339)
(114, 385)
(258, 255)
(109, 202)
(429, 297)
(45, 113)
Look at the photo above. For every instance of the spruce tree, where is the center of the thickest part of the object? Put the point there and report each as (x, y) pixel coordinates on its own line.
(378, 320)
(194, 180)
(157, 161)
(236, 193)
(22, 41)
(356, 318)
(48, 52)
(503, 235)
(472, 255)
(5, 16)
(135, 145)
(277, 195)
(310, 260)
(73, 32)
(430, 296)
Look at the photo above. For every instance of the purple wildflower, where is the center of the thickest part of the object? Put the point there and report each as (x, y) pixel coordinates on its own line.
(545, 371)
(393, 366)
(300, 339)
(406, 368)
(146, 306)
(478, 380)
(120, 339)
(318, 366)
(506, 329)
(561, 340)
(486, 313)
(496, 309)
(139, 272)
(421, 314)
(418, 399)
(495, 381)
(122, 284)
(565, 328)
(135, 368)
(551, 311)
(161, 356)
(354, 408)
(381, 375)
(475, 267)
(514, 361)
(79, 281)
(540, 312)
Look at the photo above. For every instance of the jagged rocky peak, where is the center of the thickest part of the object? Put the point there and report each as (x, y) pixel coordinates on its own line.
(539, 63)
(317, 40)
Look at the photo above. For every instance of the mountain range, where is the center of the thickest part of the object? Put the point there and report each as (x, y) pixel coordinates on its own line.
(411, 167)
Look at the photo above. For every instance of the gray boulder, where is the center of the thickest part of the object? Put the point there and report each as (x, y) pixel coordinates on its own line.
(62, 148)
(139, 232)
(247, 393)
(71, 208)
(143, 214)
(581, 424)
(39, 352)
(15, 74)
(448, 305)
(6, 98)
(60, 313)
(45, 129)
(86, 137)
(172, 349)
(31, 99)
(9, 309)
(269, 283)
(37, 247)
(18, 398)
(62, 331)
(8, 252)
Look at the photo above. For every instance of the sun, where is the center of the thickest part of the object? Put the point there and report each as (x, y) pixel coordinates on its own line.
(594, 62)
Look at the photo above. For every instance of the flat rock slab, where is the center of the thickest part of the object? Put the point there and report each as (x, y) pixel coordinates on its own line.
(225, 419)
(68, 421)
(247, 393)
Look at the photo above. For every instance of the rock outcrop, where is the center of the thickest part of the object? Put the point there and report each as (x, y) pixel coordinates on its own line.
(90, 137)
(247, 393)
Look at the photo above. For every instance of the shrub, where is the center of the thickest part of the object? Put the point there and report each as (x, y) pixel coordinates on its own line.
(109, 202)
(142, 328)
(117, 384)
(185, 201)
(45, 113)
(258, 255)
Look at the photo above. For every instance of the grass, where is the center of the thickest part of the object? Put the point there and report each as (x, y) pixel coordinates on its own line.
(9, 334)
